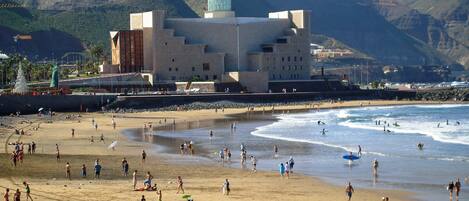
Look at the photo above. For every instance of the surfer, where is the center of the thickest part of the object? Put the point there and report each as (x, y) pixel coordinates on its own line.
(359, 150)
(438, 126)
(384, 128)
(211, 135)
(458, 123)
(275, 151)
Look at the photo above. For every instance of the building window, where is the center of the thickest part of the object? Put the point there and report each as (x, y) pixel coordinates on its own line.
(288, 59)
(283, 59)
(206, 67)
(173, 78)
(170, 69)
(289, 67)
(172, 60)
(165, 43)
(301, 67)
(176, 69)
(215, 77)
(273, 76)
(283, 67)
(280, 76)
(296, 68)
(294, 58)
(193, 68)
(206, 77)
(301, 58)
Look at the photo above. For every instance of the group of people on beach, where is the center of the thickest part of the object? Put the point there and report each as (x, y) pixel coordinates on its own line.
(454, 187)
(17, 194)
(187, 148)
(18, 153)
(84, 172)
(286, 169)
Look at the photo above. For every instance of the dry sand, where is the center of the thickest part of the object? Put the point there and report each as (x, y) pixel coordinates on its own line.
(47, 175)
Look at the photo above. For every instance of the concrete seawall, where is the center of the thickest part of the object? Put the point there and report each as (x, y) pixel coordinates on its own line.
(68, 103)
(76, 103)
(149, 102)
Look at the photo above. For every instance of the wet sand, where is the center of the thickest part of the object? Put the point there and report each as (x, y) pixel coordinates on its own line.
(203, 182)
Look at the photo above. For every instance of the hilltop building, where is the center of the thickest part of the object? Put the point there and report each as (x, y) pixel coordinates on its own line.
(219, 48)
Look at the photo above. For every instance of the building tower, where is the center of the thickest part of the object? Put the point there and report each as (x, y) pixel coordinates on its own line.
(219, 9)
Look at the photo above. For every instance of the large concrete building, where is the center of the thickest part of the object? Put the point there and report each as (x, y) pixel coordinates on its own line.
(219, 47)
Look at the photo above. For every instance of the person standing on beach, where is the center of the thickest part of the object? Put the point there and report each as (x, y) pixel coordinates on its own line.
(287, 170)
(97, 170)
(243, 158)
(134, 179)
(281, 169)
(375, 165)
(450, 188)
(33, 146)
(73, 132)
(143, 198)
(83, 171)
(160, 195)
(457, 187)
(17, 195)
(144, 156)
(349, 191)
(210, 135)
(68, 171)
(13, 158)
(226, 188)
(28, 191)
(254, 163)
(291, 163)
(180, 185)
(6, 196)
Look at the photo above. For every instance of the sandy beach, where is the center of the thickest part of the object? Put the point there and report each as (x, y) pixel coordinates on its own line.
(47, 178)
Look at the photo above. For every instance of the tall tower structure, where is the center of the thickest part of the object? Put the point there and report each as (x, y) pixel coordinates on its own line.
(219, 9)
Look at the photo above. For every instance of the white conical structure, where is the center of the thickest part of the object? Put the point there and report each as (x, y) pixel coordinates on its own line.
(21, 86)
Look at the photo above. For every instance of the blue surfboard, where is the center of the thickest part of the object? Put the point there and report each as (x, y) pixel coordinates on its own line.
(350, 157)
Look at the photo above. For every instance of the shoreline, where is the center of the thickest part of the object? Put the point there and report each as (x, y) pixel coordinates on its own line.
(72, 149)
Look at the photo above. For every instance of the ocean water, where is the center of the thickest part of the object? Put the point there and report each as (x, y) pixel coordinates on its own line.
(443, 129)
(402, 165)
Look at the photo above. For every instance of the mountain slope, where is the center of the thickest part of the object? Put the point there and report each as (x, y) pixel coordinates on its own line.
(356, 23)
(444, 25)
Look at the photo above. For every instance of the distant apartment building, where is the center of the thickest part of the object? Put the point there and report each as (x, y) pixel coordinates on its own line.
(219, 47)
(320, 52)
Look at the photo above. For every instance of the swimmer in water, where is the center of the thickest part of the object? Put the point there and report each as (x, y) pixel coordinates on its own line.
(323, 132)
(420, 146)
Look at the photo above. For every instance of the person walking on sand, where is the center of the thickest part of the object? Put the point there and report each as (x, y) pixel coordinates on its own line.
(126, 169)
(143, 198)
(28, 191)
(349, 191)
(226, 188)
(134, 179)
(17, 195)
(73, 132)
(287, 170)
(450, 188)
(6, 196)
(101, 138)
(180, 185)
(457, 187)
(68, 171)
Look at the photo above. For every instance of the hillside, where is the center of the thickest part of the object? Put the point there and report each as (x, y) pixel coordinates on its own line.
(444, 25)
(357, 24)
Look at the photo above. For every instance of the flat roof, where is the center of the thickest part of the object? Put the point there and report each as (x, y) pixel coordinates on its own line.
(227, 20)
